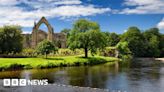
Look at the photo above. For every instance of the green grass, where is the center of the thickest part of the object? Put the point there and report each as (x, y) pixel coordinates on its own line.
(29, 63)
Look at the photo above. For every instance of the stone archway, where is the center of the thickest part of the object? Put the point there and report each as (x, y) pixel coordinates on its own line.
(36, 32)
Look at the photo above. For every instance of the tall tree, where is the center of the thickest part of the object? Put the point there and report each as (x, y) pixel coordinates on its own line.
(161, 45)
(87, 35)
(135, 40)
(112, 38)
(152, 39)
(11, 40)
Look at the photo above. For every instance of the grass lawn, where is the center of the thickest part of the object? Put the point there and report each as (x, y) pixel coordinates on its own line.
(29, 63)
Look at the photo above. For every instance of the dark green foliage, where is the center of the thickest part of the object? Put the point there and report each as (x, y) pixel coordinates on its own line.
(147, 44)
(112, 38)
(86, 35)
(161, 45)
(135, 40)
(152, 37)
(45, 47)
(108, 51)
(10, 39)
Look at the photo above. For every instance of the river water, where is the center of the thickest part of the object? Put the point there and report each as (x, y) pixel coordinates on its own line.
(136, 76)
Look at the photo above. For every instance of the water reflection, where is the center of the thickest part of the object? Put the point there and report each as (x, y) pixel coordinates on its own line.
(131, 77)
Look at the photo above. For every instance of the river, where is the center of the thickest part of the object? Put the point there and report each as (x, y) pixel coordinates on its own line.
(136, 76)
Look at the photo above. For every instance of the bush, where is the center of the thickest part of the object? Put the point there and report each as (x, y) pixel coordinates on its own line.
(68, 52)
(28, 52)
(124, 51)
(109, 51)
(46, 47)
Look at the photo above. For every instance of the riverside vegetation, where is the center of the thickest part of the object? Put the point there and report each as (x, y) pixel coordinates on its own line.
(86, 43)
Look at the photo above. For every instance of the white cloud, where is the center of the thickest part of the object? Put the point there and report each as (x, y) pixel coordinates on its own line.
(11, 11)
(125, 30)
(26, 32)
(160, 25)
(68, 2)
(144, 7)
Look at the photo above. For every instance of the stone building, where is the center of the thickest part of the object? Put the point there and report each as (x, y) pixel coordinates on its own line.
(38, 35)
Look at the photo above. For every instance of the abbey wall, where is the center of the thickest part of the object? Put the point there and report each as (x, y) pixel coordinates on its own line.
(38, 35)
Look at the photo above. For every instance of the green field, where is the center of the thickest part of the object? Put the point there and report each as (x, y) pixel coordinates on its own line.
(29, 63)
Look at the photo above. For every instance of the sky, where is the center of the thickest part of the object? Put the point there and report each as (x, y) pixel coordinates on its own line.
(112, 15)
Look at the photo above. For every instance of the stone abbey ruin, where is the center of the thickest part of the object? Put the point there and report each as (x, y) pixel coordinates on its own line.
(38, 35)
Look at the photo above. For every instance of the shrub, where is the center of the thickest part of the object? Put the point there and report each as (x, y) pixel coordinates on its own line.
(124, 51)
(45, 47)
(68, 52)
(109, 51)
(28, 52)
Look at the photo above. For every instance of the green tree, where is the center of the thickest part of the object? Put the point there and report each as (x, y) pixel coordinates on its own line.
(135, 40)
(154, 46)
(87, 35)
(152, 37)
(66, 31)
(112, 38)
(45, 47)
(124, 51)
(11, 39)
(161, 45)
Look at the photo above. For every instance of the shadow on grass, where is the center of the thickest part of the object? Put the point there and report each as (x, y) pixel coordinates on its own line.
(94, 60)
(55, 59)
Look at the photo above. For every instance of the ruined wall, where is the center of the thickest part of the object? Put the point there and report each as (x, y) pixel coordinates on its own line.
(39, 35)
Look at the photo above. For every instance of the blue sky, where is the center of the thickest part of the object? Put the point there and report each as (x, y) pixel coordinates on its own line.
(112, 15)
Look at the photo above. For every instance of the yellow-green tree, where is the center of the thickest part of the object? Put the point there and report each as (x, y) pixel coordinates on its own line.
(87, 35)
(45, 47)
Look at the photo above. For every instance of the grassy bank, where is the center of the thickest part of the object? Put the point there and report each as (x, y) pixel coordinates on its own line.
(29, 63)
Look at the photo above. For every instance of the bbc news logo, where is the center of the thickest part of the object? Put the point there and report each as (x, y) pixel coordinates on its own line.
(24, 82)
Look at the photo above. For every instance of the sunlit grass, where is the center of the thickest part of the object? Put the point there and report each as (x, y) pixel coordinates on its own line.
(10, 63)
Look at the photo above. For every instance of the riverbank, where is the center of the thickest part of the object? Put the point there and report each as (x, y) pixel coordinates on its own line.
(150, 59)
(160, 59)
(30, 63)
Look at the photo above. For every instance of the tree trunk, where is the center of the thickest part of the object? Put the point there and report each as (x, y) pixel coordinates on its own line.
(46, 55)
(86, 52)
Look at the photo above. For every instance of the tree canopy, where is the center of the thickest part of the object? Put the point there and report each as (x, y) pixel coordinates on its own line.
(66, 31)
(112, 38)
(45, 47)
(11, 40)
(152, 40)
(87, 35)
(135, 40)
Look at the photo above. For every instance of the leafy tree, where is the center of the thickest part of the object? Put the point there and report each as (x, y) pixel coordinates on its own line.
(135, 40)
(66, 31)
(152, 37)
(154, 46)
(161, 45)
(124, 51)
(87, 35)
(45, 47)
(11, 39)
(112, 38)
